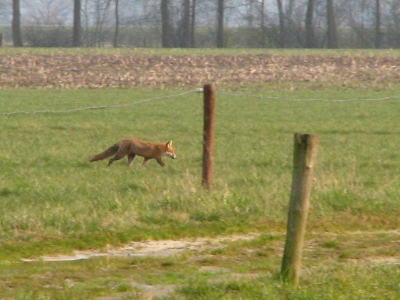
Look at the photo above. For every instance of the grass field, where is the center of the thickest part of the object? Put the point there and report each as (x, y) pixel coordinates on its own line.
(54, 201)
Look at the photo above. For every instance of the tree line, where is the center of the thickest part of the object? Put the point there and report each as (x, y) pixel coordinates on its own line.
(213, 23)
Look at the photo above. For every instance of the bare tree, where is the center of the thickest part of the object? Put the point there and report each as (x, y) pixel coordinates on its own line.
(177, 23)
(331, 31)
(102, 13)
(360, 22)
(394, 25)
(290, 23)
(47, 12)
(116, 32)
(166, 30)
(262, 24)
(193, 25)
(310, 36)
(184, 30)
(77, 30)
(16, 24)
(378, 31)
(282, 30)
(220, 24)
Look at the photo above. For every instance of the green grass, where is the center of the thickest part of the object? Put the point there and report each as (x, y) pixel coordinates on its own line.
(51, 192)
(54, 201)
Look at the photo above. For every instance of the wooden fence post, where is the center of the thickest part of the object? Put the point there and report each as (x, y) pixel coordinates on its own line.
(208, 134)
(305, 149)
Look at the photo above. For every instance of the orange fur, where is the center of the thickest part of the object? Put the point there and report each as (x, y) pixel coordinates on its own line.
(133, 147)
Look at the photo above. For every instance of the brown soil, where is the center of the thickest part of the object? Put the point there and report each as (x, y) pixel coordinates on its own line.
(162, 248)
(102, 70)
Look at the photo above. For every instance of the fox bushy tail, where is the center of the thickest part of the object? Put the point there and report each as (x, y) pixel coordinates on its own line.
(107, 153)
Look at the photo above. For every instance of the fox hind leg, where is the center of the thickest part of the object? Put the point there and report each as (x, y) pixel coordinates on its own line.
(130, 159)
(117, 156)
(145, 161)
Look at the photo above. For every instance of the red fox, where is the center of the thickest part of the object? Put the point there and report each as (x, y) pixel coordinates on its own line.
(133, 147)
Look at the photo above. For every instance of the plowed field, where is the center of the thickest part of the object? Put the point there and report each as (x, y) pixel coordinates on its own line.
(72, 71)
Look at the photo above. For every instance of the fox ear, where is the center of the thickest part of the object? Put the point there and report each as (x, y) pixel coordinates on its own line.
(169, 144)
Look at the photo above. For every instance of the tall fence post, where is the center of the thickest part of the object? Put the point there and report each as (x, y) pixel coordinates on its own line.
(208, 134)
(305, 149)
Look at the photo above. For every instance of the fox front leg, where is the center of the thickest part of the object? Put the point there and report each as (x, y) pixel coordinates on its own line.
(160, 162)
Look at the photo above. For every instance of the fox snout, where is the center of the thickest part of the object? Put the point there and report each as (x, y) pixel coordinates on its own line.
(172, 155)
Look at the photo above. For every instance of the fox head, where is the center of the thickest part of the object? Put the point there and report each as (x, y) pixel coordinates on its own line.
(169, 150)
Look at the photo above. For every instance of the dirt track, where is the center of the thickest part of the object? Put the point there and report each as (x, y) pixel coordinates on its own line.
(166, 248)
(96, 71)
(162, 248)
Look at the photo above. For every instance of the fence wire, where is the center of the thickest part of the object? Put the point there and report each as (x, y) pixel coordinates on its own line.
(96, 107)
(311, 99)
(198, 90)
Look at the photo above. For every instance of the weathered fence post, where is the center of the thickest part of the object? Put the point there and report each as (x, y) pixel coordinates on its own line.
(208, 134)
(305, 149)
